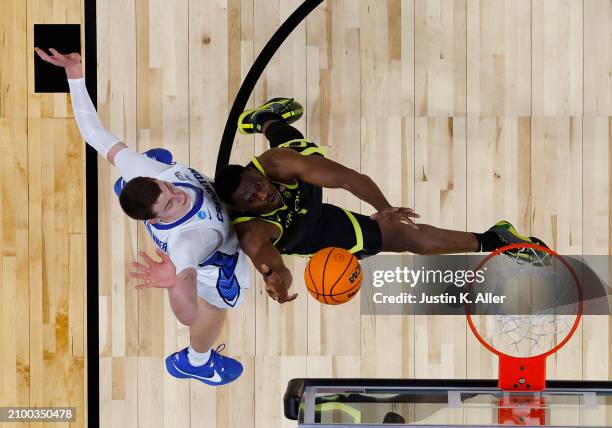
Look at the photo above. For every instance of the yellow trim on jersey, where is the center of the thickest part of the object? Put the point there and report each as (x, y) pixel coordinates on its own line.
(284, 207)
(291, 143)
(358, 232)
(242, 219)
(259, 167)
(277, 224)
(312, 150)
(287, 144)
(288, 186)
(303, 143)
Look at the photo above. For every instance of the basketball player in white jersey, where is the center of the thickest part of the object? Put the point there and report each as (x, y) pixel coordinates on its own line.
(190, 227)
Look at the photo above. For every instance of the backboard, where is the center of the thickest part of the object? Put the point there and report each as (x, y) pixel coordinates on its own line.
(317, 403)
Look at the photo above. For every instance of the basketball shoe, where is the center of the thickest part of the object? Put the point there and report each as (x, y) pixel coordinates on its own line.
(507, 234)
(219, 369)
(284, 108)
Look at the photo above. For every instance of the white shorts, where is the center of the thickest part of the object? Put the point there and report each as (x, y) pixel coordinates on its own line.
(224, 292)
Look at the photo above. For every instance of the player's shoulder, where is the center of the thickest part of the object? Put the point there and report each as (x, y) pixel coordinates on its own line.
(178, 172)
(251, 225)
(191, 236)
(276, 155)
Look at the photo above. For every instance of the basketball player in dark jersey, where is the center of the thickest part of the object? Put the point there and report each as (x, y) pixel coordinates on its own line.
(278, 209)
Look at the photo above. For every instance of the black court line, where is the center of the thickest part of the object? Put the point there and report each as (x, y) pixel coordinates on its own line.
(91, 212)
(229, 133)
(91, 171)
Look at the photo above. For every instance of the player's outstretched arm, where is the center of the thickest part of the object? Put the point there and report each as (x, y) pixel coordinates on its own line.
(255, 240)
(182, 288)
(92, 131)
(286, 164)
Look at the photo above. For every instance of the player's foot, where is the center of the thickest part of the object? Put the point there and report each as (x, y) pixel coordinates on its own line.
(507, 235)
(284, 108)
(219, 369)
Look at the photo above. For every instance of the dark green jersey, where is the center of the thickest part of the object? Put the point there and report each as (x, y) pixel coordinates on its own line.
(301, 208)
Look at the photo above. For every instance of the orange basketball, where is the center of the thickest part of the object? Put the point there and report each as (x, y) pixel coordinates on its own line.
(333, 275)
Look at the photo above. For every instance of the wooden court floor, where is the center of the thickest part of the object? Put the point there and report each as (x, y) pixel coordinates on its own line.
(469, 111)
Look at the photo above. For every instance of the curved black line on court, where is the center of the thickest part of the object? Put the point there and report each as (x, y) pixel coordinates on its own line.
(227, 140)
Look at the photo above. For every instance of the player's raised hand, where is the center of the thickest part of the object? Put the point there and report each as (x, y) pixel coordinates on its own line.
(61, 60)
(155, 274)
(276, 286)
(71, 62)
(403, 215)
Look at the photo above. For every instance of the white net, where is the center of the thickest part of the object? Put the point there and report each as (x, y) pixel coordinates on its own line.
(539, 308)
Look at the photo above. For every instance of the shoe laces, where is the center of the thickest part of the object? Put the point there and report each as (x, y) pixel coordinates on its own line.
(285, 107)
(216, 357)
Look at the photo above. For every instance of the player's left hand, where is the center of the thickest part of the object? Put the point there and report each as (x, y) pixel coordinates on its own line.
(61, 60)
(155, 274)
(70, 62)
(276, 286)
(403, 215)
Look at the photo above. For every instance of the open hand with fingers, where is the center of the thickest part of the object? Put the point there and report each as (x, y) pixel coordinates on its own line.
(403, 215)
(71, 62)
(277, 285)
(155, 274)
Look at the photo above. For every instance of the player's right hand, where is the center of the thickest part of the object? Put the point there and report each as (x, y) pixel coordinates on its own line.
(276, 285)
(403, 215)
(155, 274)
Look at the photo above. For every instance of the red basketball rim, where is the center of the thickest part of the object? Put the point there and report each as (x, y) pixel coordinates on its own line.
(534, 365)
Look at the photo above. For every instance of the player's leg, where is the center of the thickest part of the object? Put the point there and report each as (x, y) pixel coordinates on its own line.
(200, 361)
(206, 330)
(399, 237)
(364, 237)
(428, 239)
(278, 132)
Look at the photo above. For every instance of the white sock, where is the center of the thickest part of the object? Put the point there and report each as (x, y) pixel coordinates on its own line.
(196, 358)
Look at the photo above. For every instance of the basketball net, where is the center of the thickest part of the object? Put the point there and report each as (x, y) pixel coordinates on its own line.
(544, 311)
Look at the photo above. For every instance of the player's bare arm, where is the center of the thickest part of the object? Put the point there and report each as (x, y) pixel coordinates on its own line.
(256, 238)
(287, 165)
(182, 288)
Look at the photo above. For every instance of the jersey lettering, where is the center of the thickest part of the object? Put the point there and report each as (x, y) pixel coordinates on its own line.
(160, 244)
(211, 192)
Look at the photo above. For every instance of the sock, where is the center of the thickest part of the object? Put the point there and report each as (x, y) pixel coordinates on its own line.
(196, 358)
(489, 241)
(280, 132)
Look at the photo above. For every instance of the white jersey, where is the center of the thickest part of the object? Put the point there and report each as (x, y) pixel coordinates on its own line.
(221, 276)
(203, 238)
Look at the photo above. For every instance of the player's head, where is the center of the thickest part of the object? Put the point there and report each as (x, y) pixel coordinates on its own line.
(246, 189)
(144, 198)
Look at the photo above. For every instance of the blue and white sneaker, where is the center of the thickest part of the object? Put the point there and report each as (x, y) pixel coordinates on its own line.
(219, 370)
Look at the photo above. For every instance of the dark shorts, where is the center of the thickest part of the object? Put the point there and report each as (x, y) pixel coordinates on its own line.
(336, 227)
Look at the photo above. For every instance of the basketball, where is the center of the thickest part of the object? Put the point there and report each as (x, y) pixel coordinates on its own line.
(333, 275)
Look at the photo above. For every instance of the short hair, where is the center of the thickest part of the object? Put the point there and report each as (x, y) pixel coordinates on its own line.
(227, 182)
(138, 197)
